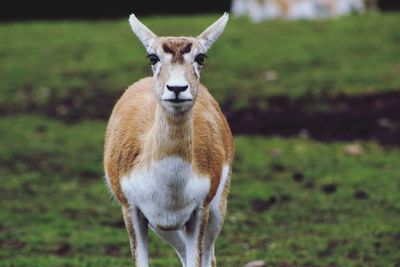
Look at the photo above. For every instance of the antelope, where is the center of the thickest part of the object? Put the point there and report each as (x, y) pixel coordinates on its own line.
(168, 150)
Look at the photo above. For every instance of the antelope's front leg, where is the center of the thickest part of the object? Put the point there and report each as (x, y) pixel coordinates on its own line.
(195, 233)
(137, 227)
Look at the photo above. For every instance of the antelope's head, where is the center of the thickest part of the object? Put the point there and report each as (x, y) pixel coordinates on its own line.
(176, 62)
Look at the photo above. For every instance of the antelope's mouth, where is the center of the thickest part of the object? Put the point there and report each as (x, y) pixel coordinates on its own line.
(177, 100)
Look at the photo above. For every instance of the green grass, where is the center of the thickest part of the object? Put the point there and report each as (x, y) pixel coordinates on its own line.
(56, 210)
(69, 67)
(294, 202)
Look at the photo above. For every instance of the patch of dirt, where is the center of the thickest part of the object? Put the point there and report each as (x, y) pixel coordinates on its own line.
(261, 205)
(90, 175)
(72, 214)
(11, 244)
(329, 188)
(115, 224)
(361, 195)
(325, 118)
(63, 250)
(284, 198)
(298, 177)
(277, 167)
(353, 255)
(330, 248)
(41, 128)
(377, 245)
(43, 162)
(71, 108)
(113, 251)
(341, 118)
(309, 184)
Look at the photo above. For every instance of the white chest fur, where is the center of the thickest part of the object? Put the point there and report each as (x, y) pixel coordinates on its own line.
(167, 192)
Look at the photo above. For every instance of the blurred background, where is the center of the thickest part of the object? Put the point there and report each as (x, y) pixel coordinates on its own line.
(311, 89)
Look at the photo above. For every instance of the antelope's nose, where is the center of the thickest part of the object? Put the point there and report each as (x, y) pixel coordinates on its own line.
(177, 89)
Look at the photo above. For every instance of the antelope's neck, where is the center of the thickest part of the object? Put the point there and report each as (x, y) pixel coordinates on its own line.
(171, 135)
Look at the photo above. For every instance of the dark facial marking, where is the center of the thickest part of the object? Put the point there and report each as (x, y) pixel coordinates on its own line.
(186, 49)
(168, 50)
(177, 48)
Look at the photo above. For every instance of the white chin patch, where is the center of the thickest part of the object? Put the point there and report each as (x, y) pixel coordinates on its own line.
(174, 108)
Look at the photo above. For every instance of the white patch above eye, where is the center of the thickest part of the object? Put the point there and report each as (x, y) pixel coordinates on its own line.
(188, 57)
(167, 57)
(195, 52)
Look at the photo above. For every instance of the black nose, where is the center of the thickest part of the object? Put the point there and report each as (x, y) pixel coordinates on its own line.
(177, 89)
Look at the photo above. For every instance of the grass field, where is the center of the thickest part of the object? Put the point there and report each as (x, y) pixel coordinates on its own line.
(68, 68)
(295, 201)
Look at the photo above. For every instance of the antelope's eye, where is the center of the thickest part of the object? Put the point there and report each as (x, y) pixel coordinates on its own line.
(153, 59)
(200, 59)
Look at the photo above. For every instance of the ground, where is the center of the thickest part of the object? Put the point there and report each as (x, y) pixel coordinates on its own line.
(315, 110)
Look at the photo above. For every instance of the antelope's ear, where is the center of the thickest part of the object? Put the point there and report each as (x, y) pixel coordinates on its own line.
(146, 36)
(211, 34)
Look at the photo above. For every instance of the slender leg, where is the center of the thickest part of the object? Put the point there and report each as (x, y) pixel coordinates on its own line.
(195, 231)
(214, 226)
(137, 227)
(177, 240)
(216, 219)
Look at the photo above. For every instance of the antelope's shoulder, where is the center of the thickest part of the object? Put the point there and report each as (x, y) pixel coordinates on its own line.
(133, 113)
(138, 95)
(213, 141)
(130, 120)
(212, 132)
